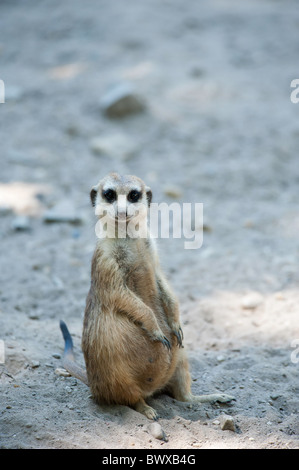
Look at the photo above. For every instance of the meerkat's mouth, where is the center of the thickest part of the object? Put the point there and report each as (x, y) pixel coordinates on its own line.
(123, 219)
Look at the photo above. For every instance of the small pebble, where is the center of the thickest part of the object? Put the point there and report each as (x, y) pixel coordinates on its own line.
(227, 423)
(120, 101)
(33, 316)
(172, 191)
(116, 145)
(274, 396)
(35, 364)
(196, 444)
(251, 301)
(64, 211)
(62, 372)
(156, 431)
(21, 223)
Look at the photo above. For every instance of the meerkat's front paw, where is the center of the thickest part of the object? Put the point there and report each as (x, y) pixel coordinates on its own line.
(150, 413)
(145, 409)
(178, 333)
(159, 336)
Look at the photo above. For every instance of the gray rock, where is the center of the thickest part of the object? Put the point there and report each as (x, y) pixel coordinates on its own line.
(62, 212)
(173, 191)
(227, 423)
(116, 145)
(120, 101)
(274, 396)
(62, 372)
(21, 223)
(34, 316)
(252, 301)
(157, 432)
(35, 364)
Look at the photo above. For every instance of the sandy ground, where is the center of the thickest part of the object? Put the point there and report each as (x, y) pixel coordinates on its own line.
(220, 128)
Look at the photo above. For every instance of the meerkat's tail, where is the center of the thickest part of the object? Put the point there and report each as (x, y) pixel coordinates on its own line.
(68, 361)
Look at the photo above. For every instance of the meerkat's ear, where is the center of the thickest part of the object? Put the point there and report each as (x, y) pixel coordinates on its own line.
(149, 194)
(93, 195)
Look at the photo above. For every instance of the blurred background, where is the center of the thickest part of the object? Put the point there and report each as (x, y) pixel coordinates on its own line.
(194, 98)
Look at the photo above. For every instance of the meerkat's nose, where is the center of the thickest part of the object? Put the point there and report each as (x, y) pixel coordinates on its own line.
(122, 214)
(121, 207)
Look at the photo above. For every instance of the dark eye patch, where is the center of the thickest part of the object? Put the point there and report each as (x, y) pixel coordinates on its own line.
(134, 195)
(109, 195)
(93, 196)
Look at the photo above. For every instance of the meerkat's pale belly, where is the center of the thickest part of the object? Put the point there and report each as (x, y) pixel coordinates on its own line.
(126, 354)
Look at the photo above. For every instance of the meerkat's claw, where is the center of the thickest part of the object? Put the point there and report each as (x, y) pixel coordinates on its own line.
(158, 336)
(178, 333)
(145, 409)
(165, 342)
(180, 336)
(150, 413)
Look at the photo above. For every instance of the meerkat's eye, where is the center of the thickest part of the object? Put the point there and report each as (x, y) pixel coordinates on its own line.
(109, 195)
(134, 195)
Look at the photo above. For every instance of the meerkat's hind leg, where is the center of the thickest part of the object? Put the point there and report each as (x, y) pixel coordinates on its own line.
(179, 385)
(212, 398)
(142, 407)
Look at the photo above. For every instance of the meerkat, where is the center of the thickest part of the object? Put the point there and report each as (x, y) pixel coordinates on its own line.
(132, 339)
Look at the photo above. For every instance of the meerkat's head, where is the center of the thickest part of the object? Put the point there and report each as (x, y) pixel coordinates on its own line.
(121, 198)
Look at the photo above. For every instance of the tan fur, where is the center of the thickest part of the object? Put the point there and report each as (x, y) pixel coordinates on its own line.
(131, 334)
